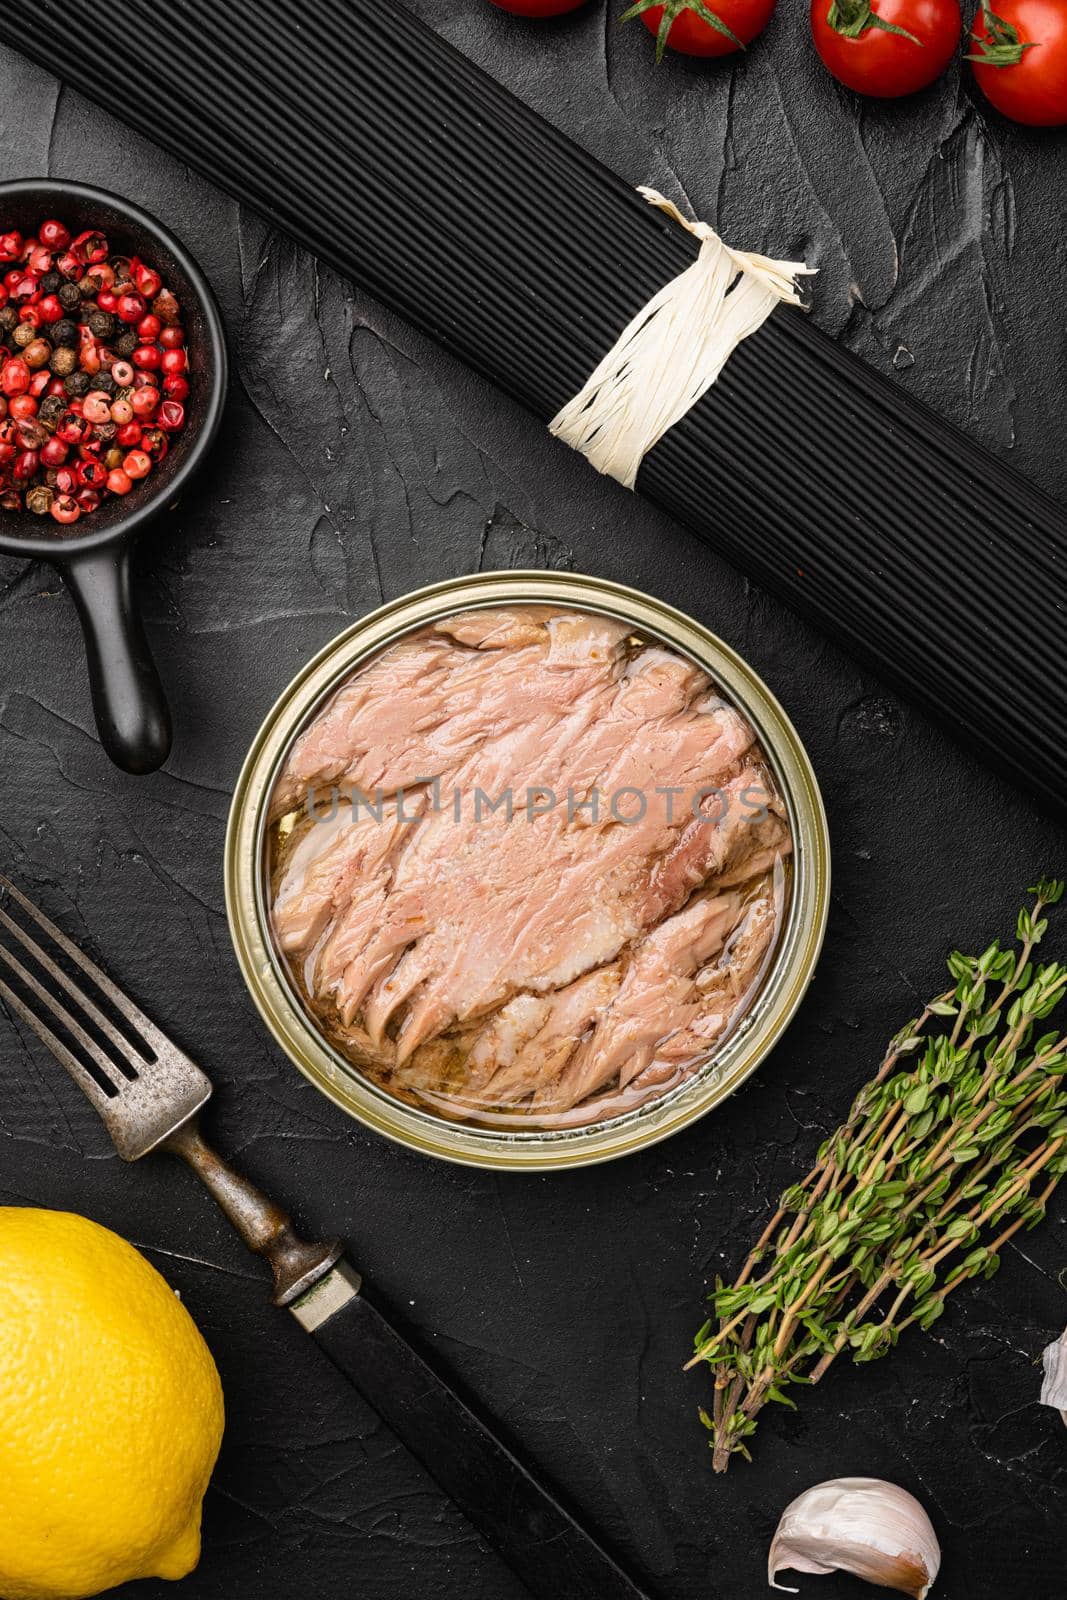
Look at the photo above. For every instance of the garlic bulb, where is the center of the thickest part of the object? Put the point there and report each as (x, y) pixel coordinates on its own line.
(1054, 1388)
(860, 1525)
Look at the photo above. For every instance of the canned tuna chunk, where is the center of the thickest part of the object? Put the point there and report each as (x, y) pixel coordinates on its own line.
(537, 870)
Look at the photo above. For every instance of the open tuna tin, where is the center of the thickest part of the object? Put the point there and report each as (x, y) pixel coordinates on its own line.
(424, 977)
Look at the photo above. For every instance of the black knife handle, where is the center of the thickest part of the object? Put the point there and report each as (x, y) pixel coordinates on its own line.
(522, 1519)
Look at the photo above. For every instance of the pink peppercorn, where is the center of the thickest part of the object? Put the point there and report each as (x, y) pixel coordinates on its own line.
(96, 406)
(65, 510)
(53, 235)
(171, 416)
(148, 281)
(14, 377)
(54, 453)
(129, 308)
(144, 402)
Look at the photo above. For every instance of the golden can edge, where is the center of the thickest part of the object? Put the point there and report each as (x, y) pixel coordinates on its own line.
(545, 1150)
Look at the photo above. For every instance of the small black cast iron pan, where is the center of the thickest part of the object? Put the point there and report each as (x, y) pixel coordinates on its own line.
(94, 555)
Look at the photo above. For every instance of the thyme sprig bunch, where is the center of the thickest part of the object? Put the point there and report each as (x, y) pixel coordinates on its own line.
(955, 1145)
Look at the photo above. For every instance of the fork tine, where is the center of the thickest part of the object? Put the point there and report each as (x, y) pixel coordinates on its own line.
(112, 1073)
(122, 1045)
(85, 1080)
(150, 1089)
(126, 1008)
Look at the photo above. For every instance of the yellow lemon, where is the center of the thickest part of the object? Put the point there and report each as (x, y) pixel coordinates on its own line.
(110, 1413)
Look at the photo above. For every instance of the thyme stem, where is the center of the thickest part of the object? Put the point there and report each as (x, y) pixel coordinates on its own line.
(943, 1146)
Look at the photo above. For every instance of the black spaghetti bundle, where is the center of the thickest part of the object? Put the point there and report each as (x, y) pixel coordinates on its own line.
(352, 126)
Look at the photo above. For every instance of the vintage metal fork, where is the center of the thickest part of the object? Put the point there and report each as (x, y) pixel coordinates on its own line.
(148, 1092)
(150, 1096)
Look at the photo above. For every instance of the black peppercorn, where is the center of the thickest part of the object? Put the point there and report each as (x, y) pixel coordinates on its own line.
(78, 384)
(101, 324)
(33, 434)
(105, 383)
(39, 500)
(51, 283)
(65, 333)
(63, 362)
(9, 319)
(51, 408)
(126, 344)
(23, 335)
(70, 297)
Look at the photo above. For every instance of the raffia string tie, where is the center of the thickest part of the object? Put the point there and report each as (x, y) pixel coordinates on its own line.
(673, 350)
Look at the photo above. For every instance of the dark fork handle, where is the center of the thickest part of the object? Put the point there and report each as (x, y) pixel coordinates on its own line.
(517, 1513)
(264, 1227)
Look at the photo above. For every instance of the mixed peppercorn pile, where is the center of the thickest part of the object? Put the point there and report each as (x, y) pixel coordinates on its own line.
(94, 373)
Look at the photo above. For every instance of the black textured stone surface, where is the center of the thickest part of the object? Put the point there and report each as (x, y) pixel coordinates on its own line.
(356, 463)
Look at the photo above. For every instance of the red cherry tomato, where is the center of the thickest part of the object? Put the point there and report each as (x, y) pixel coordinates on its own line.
(538, 8)
(1020, 60)
(703, 27)
(885, 48)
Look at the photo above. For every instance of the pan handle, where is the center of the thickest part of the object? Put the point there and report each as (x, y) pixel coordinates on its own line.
(131, 712)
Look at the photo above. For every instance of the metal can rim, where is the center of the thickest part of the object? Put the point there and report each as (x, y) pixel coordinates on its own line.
(783, 989)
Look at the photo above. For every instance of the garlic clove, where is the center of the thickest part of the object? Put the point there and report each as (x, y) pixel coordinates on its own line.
(1054, 1388)
(865, 1526)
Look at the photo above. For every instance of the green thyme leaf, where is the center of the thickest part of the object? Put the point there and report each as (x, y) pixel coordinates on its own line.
(955, 1145)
